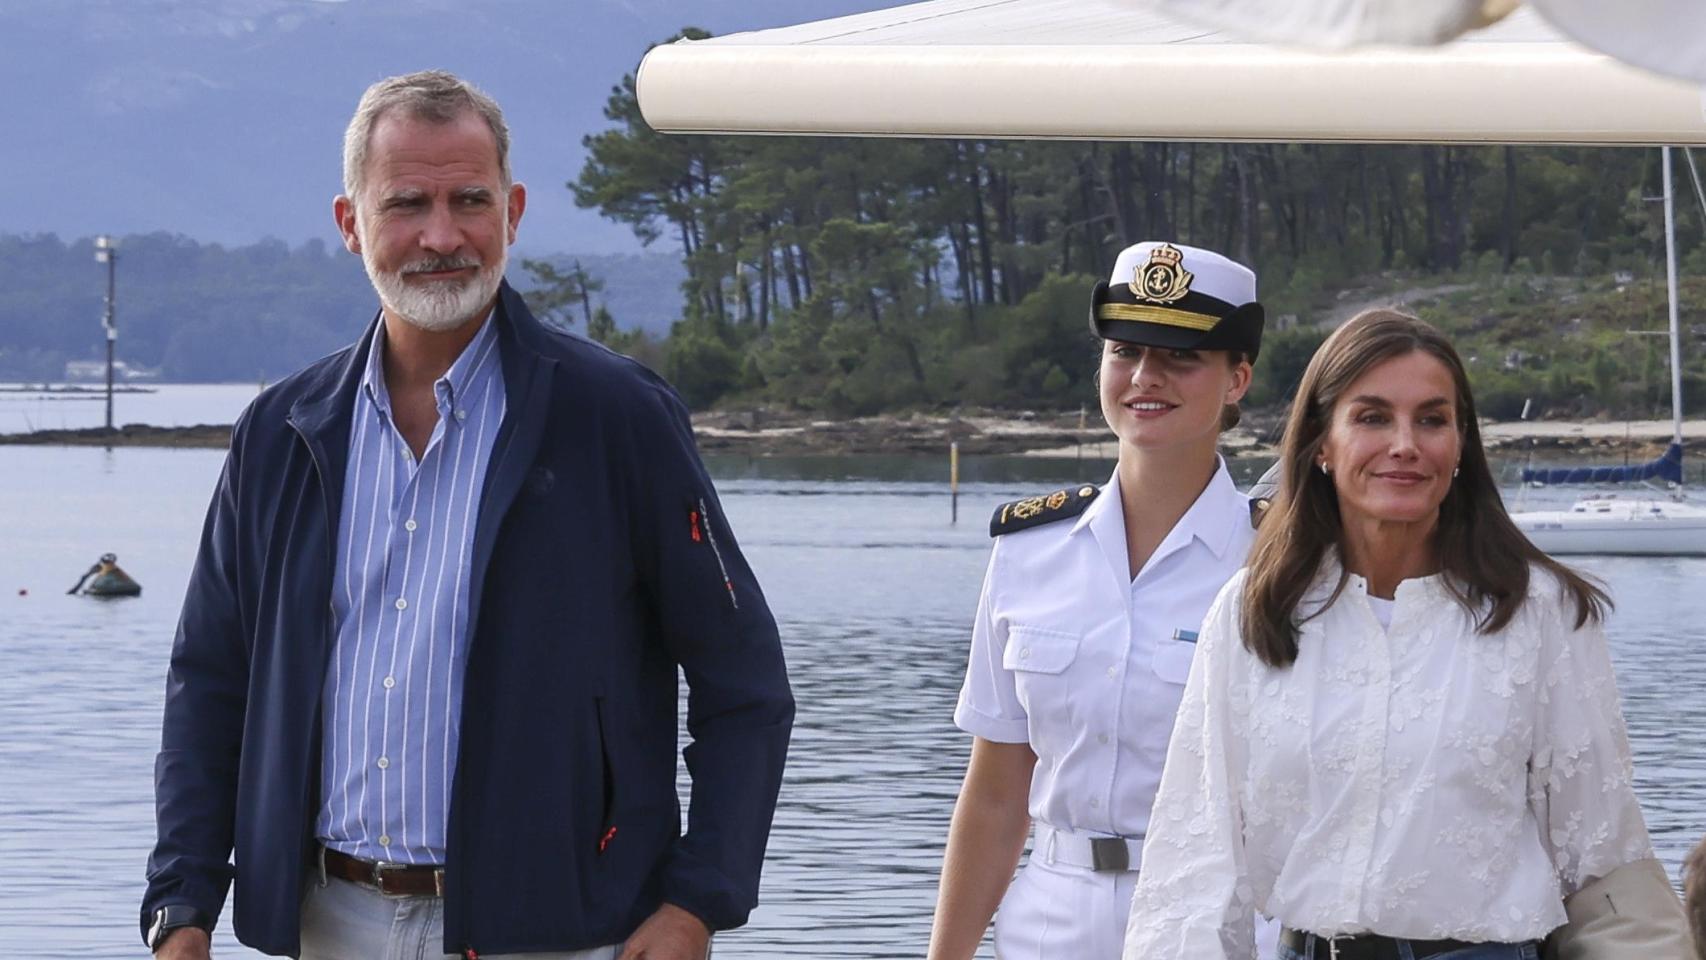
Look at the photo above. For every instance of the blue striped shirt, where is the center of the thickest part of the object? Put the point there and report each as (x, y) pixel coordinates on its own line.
(400, 610)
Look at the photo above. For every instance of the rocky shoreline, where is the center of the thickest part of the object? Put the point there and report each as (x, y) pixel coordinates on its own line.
(980, 433)
(766, 432)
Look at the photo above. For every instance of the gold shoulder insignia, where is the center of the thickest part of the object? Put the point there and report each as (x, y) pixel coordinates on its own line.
(1035, 511)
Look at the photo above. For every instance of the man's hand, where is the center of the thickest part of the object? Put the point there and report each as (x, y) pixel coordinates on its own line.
(185, 943)
(669, 934)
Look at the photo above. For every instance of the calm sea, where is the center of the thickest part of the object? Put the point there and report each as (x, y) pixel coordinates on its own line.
(873, 588)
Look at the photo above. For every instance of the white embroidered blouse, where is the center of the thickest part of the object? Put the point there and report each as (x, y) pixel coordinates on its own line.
(1421, 781)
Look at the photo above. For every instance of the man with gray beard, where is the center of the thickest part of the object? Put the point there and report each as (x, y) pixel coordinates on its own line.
(423, 695)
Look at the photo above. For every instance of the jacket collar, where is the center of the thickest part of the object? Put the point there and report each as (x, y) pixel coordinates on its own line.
(528, 374)
(323, 410)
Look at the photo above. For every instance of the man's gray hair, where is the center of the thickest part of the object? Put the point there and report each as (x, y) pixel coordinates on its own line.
(430, 95)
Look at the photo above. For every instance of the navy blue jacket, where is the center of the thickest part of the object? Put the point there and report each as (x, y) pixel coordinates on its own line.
(592, 581)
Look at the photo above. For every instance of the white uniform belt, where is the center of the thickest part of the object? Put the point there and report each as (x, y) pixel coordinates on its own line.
(1103, 854)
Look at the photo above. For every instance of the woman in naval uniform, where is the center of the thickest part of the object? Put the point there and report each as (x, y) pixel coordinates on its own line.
(1088, 621)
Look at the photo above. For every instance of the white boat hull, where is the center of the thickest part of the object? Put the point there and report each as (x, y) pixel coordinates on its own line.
(1626, 527)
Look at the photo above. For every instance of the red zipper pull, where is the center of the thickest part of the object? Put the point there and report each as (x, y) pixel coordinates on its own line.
(604, 841)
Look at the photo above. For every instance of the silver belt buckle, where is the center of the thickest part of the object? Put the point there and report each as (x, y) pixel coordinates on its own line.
(379, 869)
(1109, 855)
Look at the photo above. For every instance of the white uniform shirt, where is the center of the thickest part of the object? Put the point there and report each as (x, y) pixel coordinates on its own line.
(1425, 781)
(1072, 655)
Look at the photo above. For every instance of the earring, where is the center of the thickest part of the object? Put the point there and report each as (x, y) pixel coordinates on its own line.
(1455, 470)
(1324, 470)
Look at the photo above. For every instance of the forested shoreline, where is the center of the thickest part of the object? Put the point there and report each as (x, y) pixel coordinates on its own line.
(852, 276)
(849, 277)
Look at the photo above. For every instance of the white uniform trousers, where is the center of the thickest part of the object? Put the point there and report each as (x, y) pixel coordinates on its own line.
(1059, 908)
(348, 921)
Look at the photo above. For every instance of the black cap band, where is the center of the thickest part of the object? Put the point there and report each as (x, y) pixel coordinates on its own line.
(1195, 321)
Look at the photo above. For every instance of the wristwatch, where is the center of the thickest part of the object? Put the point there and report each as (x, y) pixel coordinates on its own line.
(167, 919)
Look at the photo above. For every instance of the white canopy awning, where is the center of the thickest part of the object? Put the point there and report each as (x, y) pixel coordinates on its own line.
(1108, 69)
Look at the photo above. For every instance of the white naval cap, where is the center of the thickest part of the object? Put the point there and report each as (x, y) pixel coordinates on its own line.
(1172, 295)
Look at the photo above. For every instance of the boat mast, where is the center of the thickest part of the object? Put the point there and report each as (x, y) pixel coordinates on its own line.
(1670, 285)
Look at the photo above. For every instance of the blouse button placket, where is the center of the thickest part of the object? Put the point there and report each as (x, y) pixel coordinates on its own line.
(1371, 749)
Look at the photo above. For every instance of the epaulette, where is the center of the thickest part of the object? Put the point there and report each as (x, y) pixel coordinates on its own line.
(1036, 511)
(1258, 510)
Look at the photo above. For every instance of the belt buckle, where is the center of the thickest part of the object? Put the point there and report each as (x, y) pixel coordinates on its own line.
(1333, 947)
(380, 868)
(1109, 855)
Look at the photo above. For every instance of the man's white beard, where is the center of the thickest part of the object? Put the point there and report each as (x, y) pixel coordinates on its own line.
(438, 305)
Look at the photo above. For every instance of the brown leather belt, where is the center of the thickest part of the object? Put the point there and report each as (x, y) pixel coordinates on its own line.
(396, 879)
(1365, 946)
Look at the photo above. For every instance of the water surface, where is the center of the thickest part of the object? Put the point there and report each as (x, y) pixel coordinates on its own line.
(873, 589)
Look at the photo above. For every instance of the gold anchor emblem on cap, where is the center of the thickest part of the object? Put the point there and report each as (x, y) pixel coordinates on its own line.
(1162, 279)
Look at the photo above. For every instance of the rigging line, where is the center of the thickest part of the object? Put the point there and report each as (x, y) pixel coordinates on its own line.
(1694, 174)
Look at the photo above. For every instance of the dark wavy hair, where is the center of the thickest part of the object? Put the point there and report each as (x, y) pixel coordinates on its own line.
(1486, 559)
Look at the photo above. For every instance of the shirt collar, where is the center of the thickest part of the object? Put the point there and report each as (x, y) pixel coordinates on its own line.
(1212, 519)
(470, 363)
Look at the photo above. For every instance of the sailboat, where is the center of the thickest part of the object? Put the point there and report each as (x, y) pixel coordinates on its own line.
(1644, 525)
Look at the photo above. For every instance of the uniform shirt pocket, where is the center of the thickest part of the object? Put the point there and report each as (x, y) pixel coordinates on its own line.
(1039, 649)
(1173, 654)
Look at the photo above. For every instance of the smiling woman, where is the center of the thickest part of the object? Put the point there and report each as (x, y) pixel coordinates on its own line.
(1403, 735)
(1087, 629)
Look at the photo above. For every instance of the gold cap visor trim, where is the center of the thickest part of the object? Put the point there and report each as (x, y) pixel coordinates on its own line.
(1161, 315)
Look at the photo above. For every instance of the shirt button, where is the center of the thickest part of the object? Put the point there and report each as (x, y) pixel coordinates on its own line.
(1113, 671)
(402, 604)
(1101, 738)
(384, 763)
(392, 681)
(409, 525)
(1094, 803)
(1024, 652)
(461, 414)
(385, 840)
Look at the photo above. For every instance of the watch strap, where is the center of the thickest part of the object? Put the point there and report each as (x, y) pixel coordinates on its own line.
(172, 917)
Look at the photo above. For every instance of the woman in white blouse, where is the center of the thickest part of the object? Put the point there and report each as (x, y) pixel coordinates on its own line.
(1401, 737)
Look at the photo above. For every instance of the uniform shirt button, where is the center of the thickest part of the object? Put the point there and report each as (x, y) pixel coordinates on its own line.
(1101, 738)
(1094, 803)
(461, 415)
(392, 681)
(385, 840)
(1113, 671)
(410, 525)
(384, 763)
(402, 604)
(1024, 652)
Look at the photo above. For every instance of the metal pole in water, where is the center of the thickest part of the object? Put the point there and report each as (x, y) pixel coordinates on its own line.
(1670, 284)
(107, 254)
(1078, 456)
(954, 481)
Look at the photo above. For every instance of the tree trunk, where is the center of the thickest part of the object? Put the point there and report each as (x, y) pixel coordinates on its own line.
(986, 260)
(792, 275)
(1507, 222)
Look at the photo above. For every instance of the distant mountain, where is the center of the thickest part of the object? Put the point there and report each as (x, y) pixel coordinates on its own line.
(222, 120)
(203, 312)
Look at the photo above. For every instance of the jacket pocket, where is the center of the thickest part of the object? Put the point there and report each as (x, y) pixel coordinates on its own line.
(607, 826)
(1039, 649)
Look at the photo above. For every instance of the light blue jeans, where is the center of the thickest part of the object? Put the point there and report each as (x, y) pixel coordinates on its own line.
(1529, 950)
(347, 921)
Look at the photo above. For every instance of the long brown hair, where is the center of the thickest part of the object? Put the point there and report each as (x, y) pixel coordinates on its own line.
(1694, 895)
(1485, 558)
